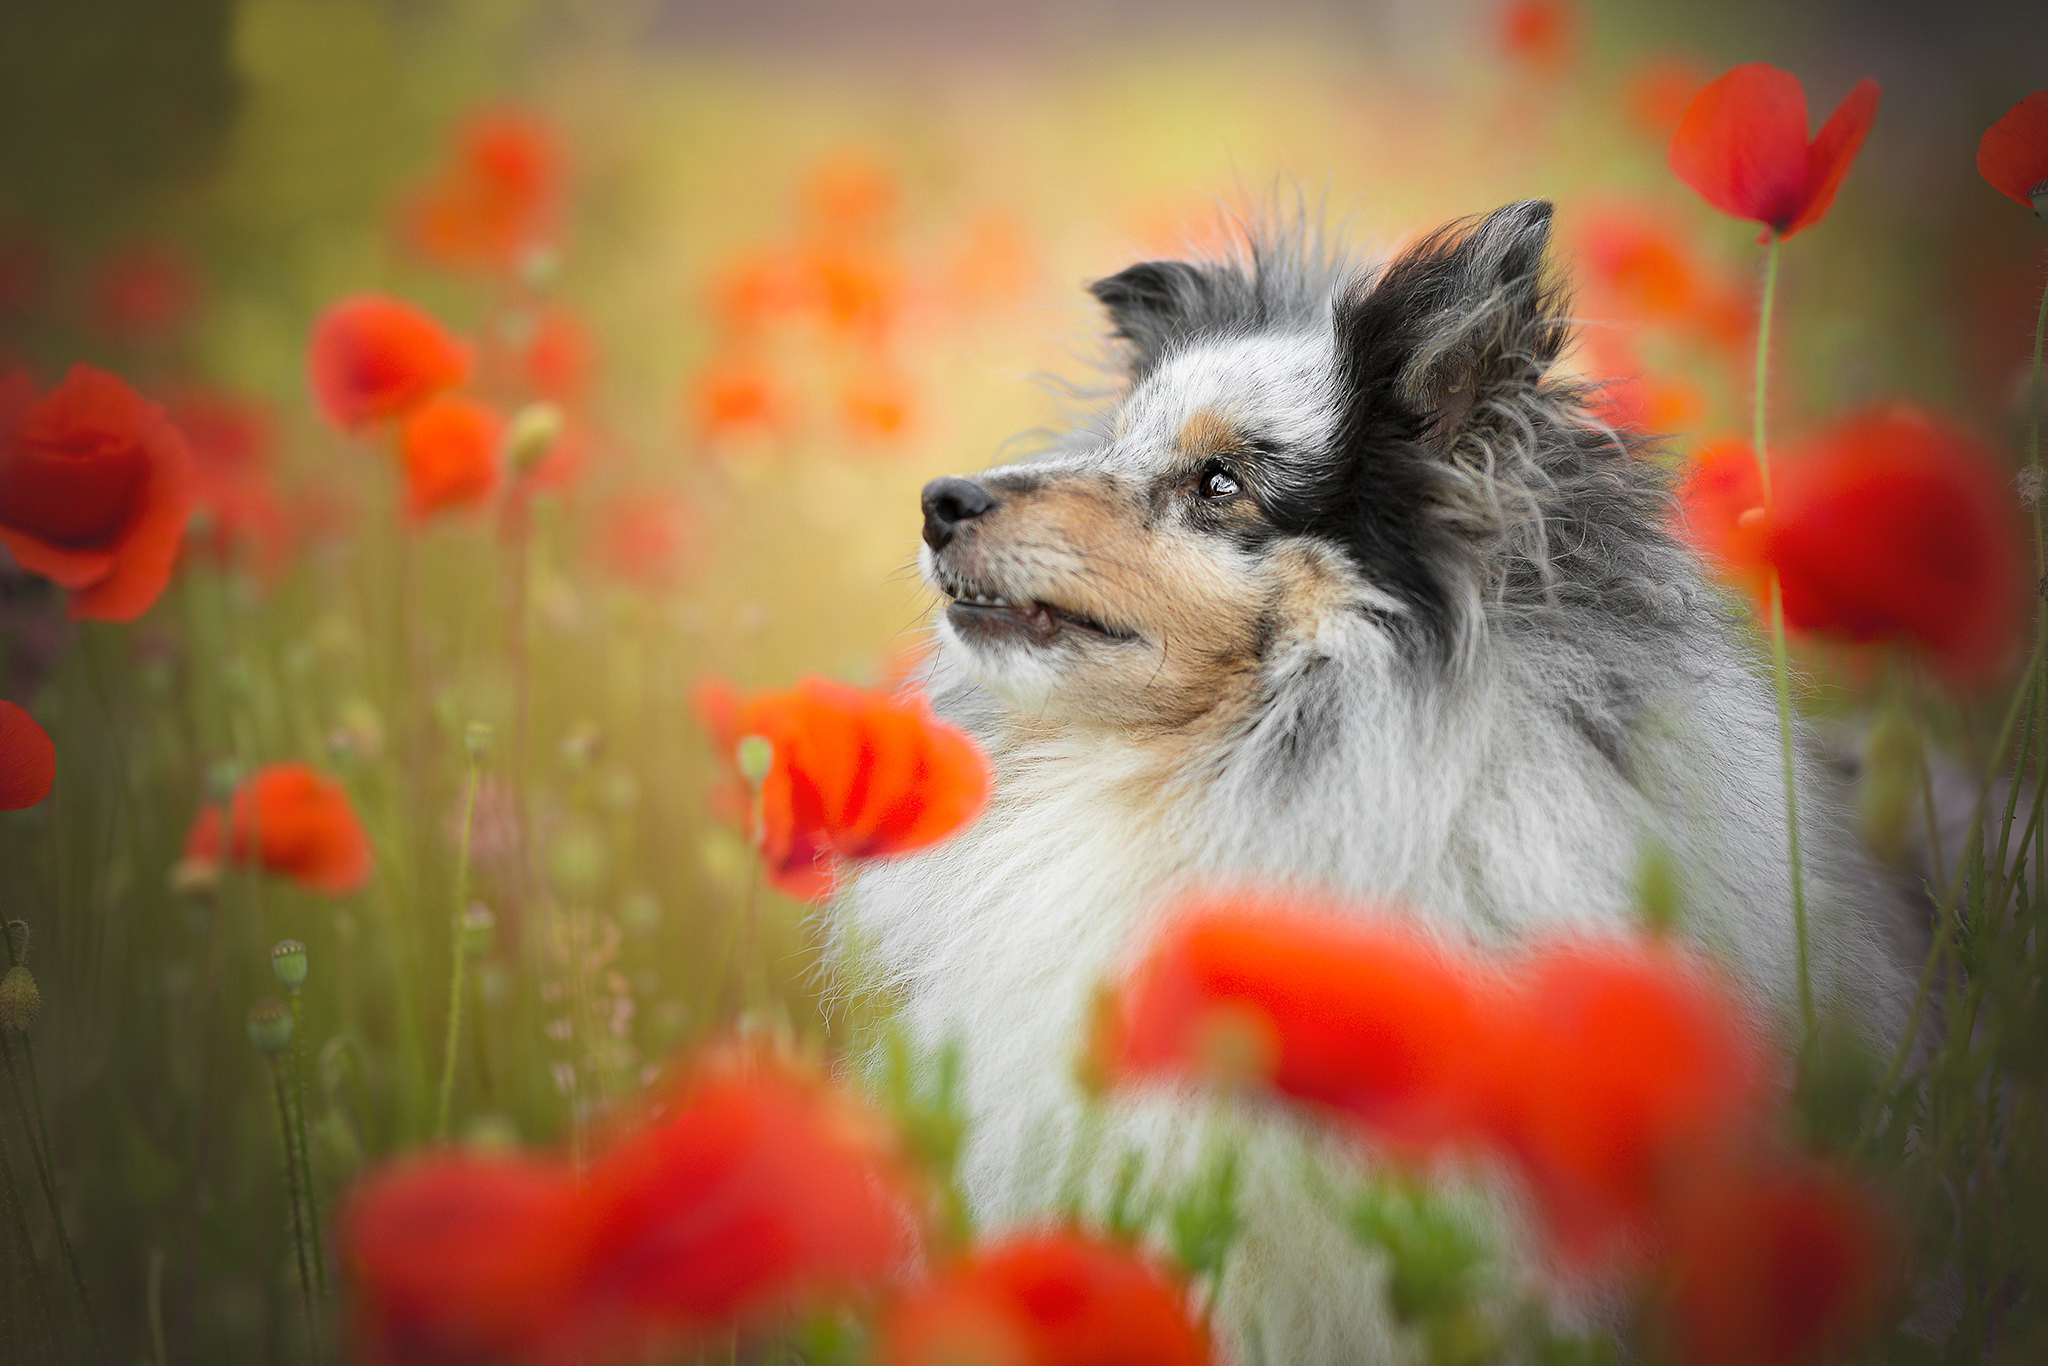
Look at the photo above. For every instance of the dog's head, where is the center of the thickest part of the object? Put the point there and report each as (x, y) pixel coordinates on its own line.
(1294, 455)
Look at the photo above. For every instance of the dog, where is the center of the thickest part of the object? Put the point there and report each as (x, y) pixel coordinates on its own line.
(1345, 587)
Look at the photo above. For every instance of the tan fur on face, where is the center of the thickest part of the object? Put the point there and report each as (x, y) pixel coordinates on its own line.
(1206, 433)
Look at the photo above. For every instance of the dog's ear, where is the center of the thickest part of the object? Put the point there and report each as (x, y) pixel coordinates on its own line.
(1457, 324)
(1155, 305)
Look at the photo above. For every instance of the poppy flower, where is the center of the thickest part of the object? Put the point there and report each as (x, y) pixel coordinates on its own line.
(858, 294)
(854, 775)
(2012, 156)
(876, 404)
(753, 290)
(289, 820)
(95, 486)
(1775, 1266)
(457, 1258)
(645, 538)
(1742, 145)
(1895, 525)
(1628, 398)
(556, 358)
(375, 358)
(499, 198)
(1369, 1019)
(1628, 1064)
(1537, 33)
(28, 761)
(241, 516)
(1053, 1297)
(449, 447)
(764, 1187)
(1721, 513)
(142, 291)
(737, 396)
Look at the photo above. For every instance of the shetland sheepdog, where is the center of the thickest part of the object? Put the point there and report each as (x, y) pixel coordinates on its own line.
(1344, 587)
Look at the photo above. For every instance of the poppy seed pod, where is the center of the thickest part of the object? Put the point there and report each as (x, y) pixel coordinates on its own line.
(288, 961)
(533, 431)
(270, 1026)
(755, 755)
(21, 1000)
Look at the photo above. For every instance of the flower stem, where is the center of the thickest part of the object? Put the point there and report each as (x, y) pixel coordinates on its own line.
(299, 1139)
(291, 1177)
(455, 969)
(1780, 667)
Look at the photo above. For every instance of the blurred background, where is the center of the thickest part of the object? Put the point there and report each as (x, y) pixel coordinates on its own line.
(774, 266)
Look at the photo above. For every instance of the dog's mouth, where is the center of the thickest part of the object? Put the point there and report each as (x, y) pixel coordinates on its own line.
(980, 611)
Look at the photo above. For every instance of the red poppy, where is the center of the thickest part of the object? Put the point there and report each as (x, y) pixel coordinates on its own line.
(1742, 145)
(449, 447)
(556, 359)
(1537, 33)
(1656, 93)
(28, 761)
(752, 290)
(1629, 1064)
(1721, 512)
(737, 396)
(499, 198)
(1896, 525)
(858, 293)
(763, 1188)
(854, 775)
(375, 358)
(1777, 1266)
(289, 820)
(877, 404)
(646, 538)
(142, 291)
(2012, 156)
(95, 487)
(458, 1258)
(1050, 1298)
(241, 516)
(1368, 1018)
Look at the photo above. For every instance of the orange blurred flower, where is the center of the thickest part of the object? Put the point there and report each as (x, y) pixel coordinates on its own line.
(449, 448)
(240, 515)
(375, 358)
(645, 538)
(849, 194)
(1637, 267)
(752, 290)
(1895, 525)
(290, 820)
(877, 403)
(1742, 145)
(1368, 1018)
(854, 774)
(1721, 512)
(141, 291)
(1051, 1298)
(28, 761)
(498, 199)
(1776, 1265)
(762, 1189)
(858, 294)
(1656, 93)
(737, 395)
(1629, 1064)
(1538, 33)
(1629, 399)
(2012, 156)
(95, 487)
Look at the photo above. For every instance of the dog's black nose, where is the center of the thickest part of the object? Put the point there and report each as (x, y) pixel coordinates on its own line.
(949, 502)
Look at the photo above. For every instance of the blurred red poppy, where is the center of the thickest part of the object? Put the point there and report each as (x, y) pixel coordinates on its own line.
(1655, 94)
(449, 447)
(1775, 1266)
(752, 290)
(95, 486)
(646, 538)
(2012, 156)
(1629, 1064)
(854, 775)
(1368, 1018)
(1538, 33)
(737, 396)
(1721, 512)
(858, 293)
(241, 518)
(1051, 1298)
(28, 761)
(141, 291)
(462, 1258)
(763, 1187)
(1629, 399)
(498, 199)
(1742, 145)
(1896, 525)
(877, 404)
(375, 358)
(556, 358)
(289, 820)
(849, 194)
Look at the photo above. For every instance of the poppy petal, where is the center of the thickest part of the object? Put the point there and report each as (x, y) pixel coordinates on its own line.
(2012, 156)
(1834, 148)
(1742, 144)
(28, 761)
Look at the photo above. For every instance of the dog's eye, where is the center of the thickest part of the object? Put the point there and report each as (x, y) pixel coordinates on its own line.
(1217, 483)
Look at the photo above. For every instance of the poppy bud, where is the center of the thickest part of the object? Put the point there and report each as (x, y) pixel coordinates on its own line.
(534, 430)
(755, 755)
(288, 961)
(270, 1026)
(21, 1000)
(476, 741)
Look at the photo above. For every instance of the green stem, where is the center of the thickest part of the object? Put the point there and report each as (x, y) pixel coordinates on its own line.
(455, 969)
(1780, 667)
(47, 1177)
(291, 1178)
(299, 1139)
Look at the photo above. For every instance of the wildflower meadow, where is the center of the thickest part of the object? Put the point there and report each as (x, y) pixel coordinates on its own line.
(459, 622)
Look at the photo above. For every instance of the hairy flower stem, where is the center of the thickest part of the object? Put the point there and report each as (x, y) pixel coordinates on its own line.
(299, 1139)
(291, 1178)
(1780, 667)
(454, 1031)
